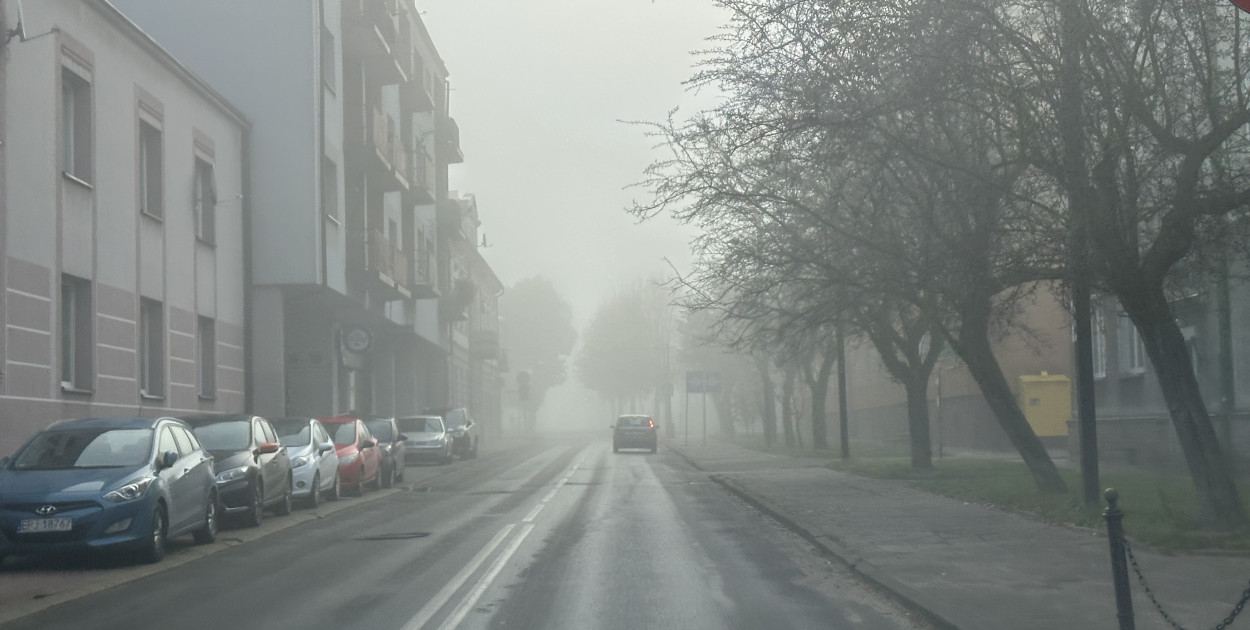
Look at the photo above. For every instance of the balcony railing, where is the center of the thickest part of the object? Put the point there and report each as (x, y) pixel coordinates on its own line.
(388, 266)
(421, 178)
(371, 36)
(449, 141)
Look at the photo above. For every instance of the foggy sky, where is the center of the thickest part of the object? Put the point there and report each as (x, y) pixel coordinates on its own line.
(537, 89)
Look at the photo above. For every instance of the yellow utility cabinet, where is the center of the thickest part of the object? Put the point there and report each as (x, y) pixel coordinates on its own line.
(1046, 400)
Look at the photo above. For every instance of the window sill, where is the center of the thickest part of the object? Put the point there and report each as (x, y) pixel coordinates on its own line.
(207, 243)
(155, 217)
(208, 397)
(77, 180)
(146, 396)
(80, 391)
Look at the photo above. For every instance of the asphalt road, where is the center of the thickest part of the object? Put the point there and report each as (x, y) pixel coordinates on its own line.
(555, 534)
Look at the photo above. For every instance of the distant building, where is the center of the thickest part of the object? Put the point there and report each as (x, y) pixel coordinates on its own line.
(123, 220)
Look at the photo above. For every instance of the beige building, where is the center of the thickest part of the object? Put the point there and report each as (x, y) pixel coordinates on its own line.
(122, 215)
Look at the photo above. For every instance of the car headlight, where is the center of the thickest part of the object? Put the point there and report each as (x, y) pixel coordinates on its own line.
(232, 474)
(299, 461)
(350, 459)
(131, 491)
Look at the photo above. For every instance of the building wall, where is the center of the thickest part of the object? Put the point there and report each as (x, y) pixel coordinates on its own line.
(91, 227)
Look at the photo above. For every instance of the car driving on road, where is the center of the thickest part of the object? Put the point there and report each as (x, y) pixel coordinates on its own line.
(253, 470)
(104, 484)
(634, 431)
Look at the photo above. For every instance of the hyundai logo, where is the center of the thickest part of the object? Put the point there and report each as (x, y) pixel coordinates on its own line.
(45, 510)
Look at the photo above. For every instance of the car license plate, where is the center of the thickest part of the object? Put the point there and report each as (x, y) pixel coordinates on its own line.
(33, 525)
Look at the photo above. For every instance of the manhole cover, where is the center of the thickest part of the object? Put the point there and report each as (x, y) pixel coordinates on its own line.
(399, 536)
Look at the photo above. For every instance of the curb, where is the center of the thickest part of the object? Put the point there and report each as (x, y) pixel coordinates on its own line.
(897, 591)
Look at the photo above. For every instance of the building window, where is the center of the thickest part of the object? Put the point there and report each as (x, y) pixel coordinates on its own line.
(151, 348)
(75, 126)
(206, 356)
(1098, 332)
(204, 204)
(151, 170)
(330, 190)
(76, 344)
(329, 61)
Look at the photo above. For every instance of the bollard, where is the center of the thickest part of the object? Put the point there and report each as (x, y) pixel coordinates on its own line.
(1119, 566)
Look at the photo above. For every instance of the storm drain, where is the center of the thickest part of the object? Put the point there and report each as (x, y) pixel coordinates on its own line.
(396, 536)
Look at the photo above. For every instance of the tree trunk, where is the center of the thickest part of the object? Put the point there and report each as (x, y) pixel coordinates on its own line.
(819, 386)
(973, 346)
(1218, 500)
(844, 416)
(770, 400)
(787, 406)
(918, 421)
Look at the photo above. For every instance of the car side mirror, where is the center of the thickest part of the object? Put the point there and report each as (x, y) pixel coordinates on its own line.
(325, 447)
(369, 443)
(401, 438)
(269, 447)
(168, 459)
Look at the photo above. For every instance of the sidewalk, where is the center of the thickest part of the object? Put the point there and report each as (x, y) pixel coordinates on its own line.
(969, 566)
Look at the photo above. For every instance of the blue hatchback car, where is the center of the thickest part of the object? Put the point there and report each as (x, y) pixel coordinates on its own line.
(107, 483)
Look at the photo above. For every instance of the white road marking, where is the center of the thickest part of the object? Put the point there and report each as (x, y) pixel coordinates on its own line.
(471, 599)
(534, 512)
(432, 607)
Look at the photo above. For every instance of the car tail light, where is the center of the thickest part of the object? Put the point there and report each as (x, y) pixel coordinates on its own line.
(650, 423)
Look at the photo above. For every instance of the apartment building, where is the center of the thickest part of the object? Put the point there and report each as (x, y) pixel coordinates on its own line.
(123, 225)
(351, 145)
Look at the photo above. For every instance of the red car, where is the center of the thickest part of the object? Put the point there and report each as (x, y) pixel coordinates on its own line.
(360, 459)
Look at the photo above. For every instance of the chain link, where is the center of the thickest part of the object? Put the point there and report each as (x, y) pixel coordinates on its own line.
(1141, 579)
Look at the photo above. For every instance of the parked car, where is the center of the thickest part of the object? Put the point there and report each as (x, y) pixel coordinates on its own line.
(634, 431)
(463, 430)
(314, 464)
(427, 438)
(253, 470)
(104, 484)
(391, 445)
(360, 461)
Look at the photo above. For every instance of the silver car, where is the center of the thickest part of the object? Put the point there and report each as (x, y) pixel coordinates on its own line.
(427, 438)
(314, 464)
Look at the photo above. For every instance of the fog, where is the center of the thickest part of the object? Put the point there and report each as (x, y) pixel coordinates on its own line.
(539, 89)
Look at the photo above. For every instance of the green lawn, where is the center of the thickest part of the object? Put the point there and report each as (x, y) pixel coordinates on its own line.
(1159, 510)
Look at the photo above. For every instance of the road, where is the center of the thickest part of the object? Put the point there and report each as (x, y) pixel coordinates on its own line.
(550, 534)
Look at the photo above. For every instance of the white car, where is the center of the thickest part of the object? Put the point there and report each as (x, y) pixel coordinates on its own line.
(427, 438)
(314, 464)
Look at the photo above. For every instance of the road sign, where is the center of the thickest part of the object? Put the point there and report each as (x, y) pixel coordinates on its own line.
(699, 382)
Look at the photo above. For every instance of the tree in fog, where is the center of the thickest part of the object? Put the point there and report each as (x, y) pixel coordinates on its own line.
(540, 334)
(624, 352)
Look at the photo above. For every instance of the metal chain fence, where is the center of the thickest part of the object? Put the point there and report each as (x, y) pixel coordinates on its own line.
(1141, 579)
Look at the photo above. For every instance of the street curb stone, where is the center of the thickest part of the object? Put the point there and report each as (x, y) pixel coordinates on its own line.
(905, 596)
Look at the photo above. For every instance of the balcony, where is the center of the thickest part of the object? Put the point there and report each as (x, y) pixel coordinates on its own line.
(484, 344)
(421, 177)
(387, 151)
(386, 267)
(449, 141)
(423, 282)
(417, 93)
(369, 35)
(450, 219)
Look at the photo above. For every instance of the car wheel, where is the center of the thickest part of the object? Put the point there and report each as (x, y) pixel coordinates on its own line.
(256, 509)
(400, 466)
(208, 533)
(359, 490)
(284, 506)
(155, 549)
(314, 492)
(387, 477)
(336, 491)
